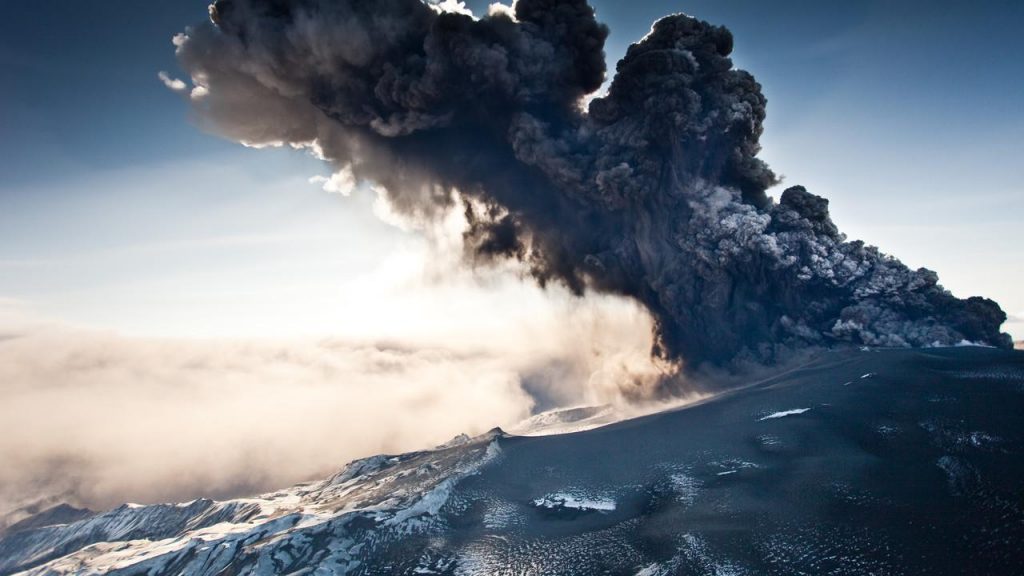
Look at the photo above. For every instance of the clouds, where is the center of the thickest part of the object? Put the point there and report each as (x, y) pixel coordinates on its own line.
(97, 419)
(106, 418)
(425, 350)
(653, 191)
(341, 182)
(175, 84)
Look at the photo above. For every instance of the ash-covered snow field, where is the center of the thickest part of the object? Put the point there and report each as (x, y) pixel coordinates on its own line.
(914, 470)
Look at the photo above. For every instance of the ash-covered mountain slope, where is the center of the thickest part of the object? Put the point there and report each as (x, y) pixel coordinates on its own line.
(870, 462)
(54, 515)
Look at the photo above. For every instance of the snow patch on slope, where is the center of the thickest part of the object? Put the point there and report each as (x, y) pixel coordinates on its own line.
(575, 500)
(567, 420)
(784, 413)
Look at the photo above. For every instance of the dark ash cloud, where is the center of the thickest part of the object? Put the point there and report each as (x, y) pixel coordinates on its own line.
(653, 191)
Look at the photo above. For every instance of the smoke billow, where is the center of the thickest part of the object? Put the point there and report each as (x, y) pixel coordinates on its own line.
(653, 191)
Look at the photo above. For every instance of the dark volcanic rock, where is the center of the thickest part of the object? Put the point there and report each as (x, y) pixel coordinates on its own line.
(59, 514)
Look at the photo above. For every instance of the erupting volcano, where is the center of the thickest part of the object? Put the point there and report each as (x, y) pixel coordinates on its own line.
(848, 414)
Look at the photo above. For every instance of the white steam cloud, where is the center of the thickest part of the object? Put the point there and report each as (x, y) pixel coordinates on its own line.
(174, 84)
(96, 419)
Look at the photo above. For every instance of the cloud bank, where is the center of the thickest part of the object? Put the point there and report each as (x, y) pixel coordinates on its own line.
(653, 191)
(96, 419)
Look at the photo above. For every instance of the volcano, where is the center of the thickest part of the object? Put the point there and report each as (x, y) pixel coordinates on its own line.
(855, 462)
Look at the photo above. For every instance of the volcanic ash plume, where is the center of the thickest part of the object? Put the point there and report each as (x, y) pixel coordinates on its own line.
(653, 191)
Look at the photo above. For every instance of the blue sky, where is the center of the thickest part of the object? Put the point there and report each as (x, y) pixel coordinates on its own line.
(118, 213)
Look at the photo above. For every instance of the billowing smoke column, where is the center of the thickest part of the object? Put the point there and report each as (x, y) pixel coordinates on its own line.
(653, 191)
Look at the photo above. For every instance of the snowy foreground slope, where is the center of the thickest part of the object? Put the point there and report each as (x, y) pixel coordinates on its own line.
(872, 462)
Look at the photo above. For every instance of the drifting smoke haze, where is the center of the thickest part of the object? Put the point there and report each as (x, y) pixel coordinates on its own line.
(158, 420)
(653, 191)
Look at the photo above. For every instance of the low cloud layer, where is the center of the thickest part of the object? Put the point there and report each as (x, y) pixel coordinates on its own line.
(97, 419)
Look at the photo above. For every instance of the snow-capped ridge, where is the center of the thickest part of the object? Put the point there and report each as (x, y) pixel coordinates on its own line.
(385, 495)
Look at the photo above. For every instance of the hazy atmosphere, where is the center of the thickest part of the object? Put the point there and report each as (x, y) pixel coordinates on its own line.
(184, 316)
